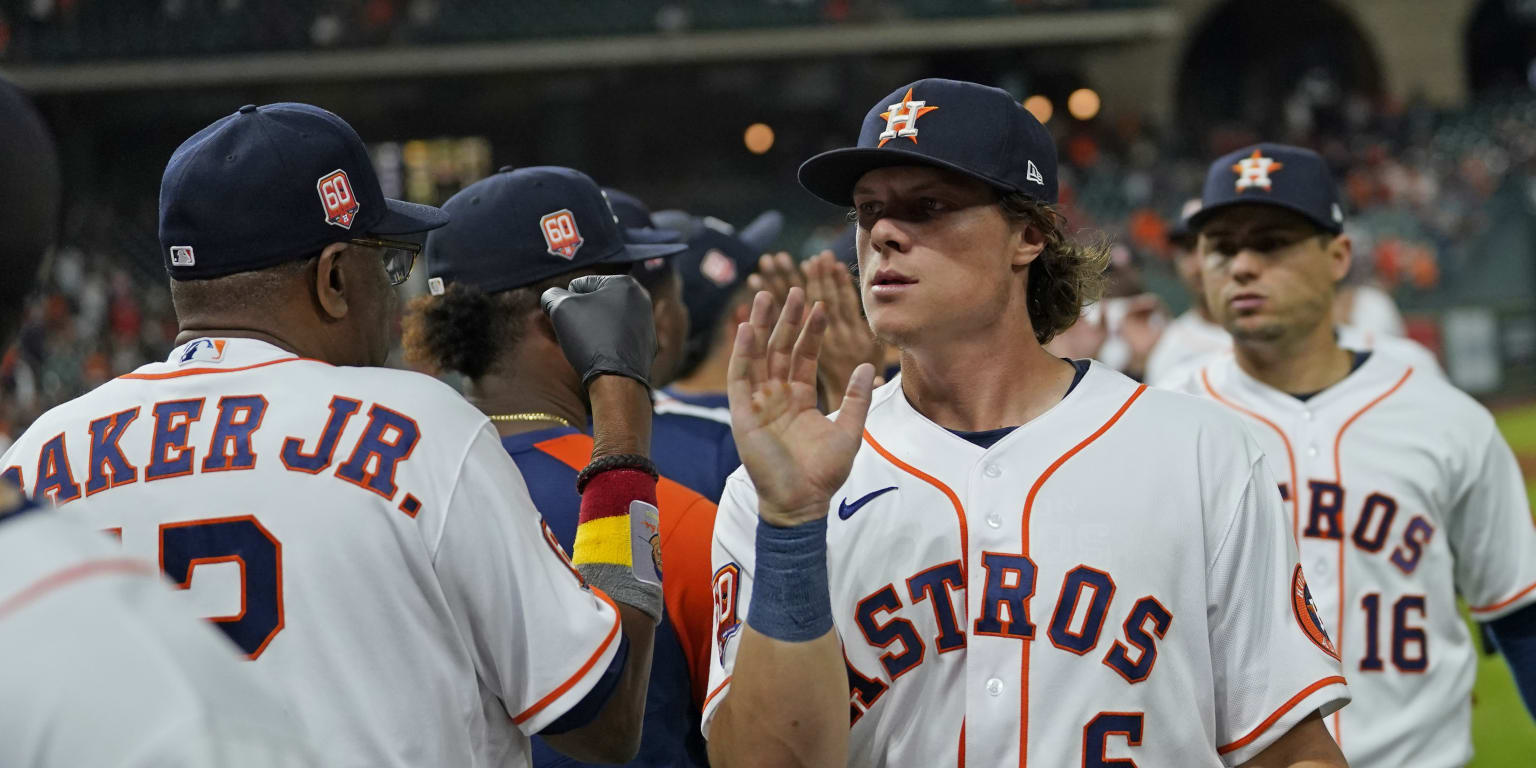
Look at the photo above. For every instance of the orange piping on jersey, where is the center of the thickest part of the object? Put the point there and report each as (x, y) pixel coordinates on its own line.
(71, 574)
(961, 764)
(1290, 455)
(197, 371)
(1502, 603)
(687, 521)
(716, 692)
(965, 552)
(580, 673)
(1338, 479)
(1279, 713)
(1029, 504)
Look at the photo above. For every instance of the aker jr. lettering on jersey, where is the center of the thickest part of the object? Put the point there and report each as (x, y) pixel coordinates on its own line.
(386, 441)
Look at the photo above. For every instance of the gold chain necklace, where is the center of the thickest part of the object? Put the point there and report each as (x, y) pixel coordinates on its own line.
(530, 416)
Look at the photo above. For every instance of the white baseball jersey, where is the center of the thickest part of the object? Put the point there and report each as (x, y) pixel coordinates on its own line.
(1114, 580)
(1349, 337)
(104, 669)
(1188, 338)
(358, 532)
(1403, 495)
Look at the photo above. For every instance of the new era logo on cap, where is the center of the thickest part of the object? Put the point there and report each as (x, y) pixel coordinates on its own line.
(181, 256)
(336, 195)
(1034, 174)
(560, 233)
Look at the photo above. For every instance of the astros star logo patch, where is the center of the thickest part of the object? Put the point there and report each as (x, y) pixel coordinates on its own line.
(903, 114)
(1254, 171)
(1306, 614)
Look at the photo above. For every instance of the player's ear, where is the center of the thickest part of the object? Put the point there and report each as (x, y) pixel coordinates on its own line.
(1340, 256)
(330, 283)
(1026, 243)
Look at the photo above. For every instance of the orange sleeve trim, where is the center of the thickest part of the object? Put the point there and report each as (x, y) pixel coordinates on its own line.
(613, 632)
(1279, 713)
(716, 692)
(1290, 455)
(74, 573)
(199, 371)
(1504, 602)
(954, 500)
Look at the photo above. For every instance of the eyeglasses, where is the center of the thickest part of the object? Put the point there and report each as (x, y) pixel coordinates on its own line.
(399, 256)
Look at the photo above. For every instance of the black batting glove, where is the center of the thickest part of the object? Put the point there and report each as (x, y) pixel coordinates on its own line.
(604, 325)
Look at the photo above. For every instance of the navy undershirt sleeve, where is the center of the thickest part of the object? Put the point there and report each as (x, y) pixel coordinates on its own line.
(1515, 635)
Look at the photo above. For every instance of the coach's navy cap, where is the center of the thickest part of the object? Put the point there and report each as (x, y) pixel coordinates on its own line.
(973, 129)
(272, 184)
(1272, 174)
(518, 227)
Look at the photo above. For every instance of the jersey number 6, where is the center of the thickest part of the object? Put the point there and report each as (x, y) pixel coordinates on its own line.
(241, 540)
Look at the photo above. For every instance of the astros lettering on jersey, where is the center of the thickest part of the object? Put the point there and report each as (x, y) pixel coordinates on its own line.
(1402, 495)
(358, 532)
(1078, 593)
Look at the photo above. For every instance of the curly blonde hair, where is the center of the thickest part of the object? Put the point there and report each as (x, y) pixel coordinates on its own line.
(1067, 276)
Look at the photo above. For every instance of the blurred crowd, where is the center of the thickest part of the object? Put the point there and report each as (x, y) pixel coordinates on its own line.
(52, 30)
(1417, 186)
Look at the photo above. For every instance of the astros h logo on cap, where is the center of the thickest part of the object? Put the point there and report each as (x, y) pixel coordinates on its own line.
(904, 114)
(1253, 171)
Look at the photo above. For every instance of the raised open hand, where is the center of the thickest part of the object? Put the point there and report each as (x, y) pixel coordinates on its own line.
(796, 456)
(848, 341)
(776, 273)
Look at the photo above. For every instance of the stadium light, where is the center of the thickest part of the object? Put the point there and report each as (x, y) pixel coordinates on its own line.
(758, 138)
(1040, 106)
(1083, 104)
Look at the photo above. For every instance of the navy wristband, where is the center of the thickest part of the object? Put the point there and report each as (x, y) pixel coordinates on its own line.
(790, 598)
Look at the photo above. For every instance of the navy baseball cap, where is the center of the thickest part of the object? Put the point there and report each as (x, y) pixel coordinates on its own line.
(1180, 233)
(973, 129)
(520, 226)
(715, 265)
(272, 184)
(635, 218)
(1272, 174)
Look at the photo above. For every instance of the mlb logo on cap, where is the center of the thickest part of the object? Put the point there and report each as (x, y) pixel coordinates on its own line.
(336, 195)
(560, 233)
(181, 256)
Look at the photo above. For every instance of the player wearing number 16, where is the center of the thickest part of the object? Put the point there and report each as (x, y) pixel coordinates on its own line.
(1399, 488)
(1033, 561)
(357, 531)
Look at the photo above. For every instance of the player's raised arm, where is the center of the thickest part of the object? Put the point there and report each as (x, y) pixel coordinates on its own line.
(787, 703)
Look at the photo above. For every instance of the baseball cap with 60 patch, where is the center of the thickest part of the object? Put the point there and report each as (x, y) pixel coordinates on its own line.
(973, 129)
(1272, 174)
(272, 184)
(520, 226)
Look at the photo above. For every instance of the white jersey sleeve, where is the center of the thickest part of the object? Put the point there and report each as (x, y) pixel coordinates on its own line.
(540, 638)
(107, 669)
(1272, 660)
(1493, 536)
(733, 557)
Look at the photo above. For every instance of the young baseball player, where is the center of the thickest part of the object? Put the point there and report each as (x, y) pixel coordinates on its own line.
(1194, 335)
(358, 531)
(488, 268)
(101, 667)
(1398, 487)
(1000, 557)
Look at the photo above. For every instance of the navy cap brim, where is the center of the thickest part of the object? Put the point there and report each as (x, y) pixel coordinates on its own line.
(832, 174)
(1198, 218)
(633, 252)
(762, 231)
(651, 235)
(402, 218)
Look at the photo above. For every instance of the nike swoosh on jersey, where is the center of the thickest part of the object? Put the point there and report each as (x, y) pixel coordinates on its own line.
(846, 510)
